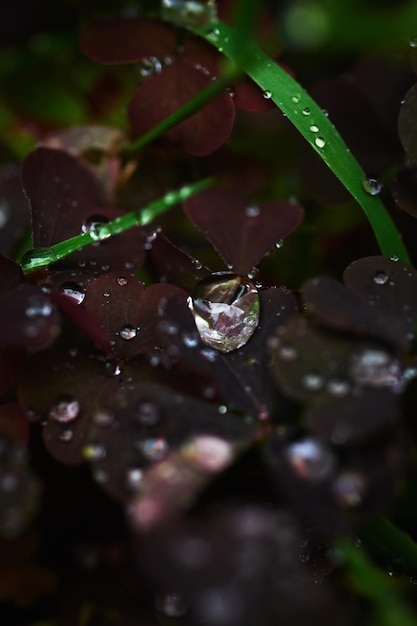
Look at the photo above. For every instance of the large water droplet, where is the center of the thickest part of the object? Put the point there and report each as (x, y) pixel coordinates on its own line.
(189, 12)
(310, 460)
(226, 310)
(65, 409)
(372, 185)
(320, 142)
(374, 367)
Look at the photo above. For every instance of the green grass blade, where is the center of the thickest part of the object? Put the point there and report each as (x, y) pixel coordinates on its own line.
(42, 257)
(313, 124)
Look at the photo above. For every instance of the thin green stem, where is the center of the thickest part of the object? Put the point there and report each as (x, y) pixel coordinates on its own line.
(205, 96)
(41, 257)
(313, 124)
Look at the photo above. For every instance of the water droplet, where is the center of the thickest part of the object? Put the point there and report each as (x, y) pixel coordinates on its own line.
(338, 388)
(153, 449)
(314, 128)
(208, 453)
(65, 409)
(310, 459)
(279, 244)
(190, 340)
(381, 278)
(189, 12)
(38, 257)
(112, 368)
(306, 111)
(312, 381)
(122, 281)
(267, 94)
(73, 291)
(149, 66)
(94, 452)
(394, 257)
(128, 332)
(372, 185)
(349, 488)
(226, 310)
(295, 98)
(66, 435)
(413, 42)
(375, 368)
(320, 142)
(134, 478)
(252, 211)
(147, 413)
(287, 352)
(171, 604)
(97, 226)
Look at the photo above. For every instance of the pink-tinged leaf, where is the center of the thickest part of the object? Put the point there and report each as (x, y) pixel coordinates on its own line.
(127, 41)
(14, 424)
(28, 318)
(242, 234)
(163, 93)
(129, 315)
(66, 391)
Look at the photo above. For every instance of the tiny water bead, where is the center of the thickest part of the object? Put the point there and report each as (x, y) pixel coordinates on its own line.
(306, 111)
(122, 281)
(128, 332)
(267, 94)
(381, 278)
(312, 381)
(226, 310)
(320, 142)
(287, 352)
(65, 409)
(314, 128)
(372, 185)
(349, 489)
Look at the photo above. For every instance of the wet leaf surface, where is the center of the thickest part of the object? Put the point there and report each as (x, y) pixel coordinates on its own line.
(65, 401)
(199, 135)
(241, 232)
(14, 212)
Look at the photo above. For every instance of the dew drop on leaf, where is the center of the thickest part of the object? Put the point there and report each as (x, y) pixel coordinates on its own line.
(320, 142)
(252, 211)
(65, 409)
(376, 368)
(134, 478)
(349, 488)
(381, 278)
(267, 94)
(73, 291)
(170, 604)
(310, 459)
(226, 310)
(372, 185)
(153, 449)
(122, 281)
(338, 388)
(312, 381)
(128, 332)
(97, 226)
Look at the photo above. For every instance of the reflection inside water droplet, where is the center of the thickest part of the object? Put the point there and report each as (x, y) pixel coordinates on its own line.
(65, 409)
(73, 291)
(97, 226)
(372, 185)
(128, 332)
(381, 278)
(226, 310)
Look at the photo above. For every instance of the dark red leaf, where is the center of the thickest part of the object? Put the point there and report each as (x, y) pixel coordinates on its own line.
(14, 212)
(28, 318)
(67, 392)
(249, 97)
(163, 93)
(10, 274)
(406, 126)
(241, 234)
(12, 361)
(389, 288)
(404, 190)
(127, 41)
